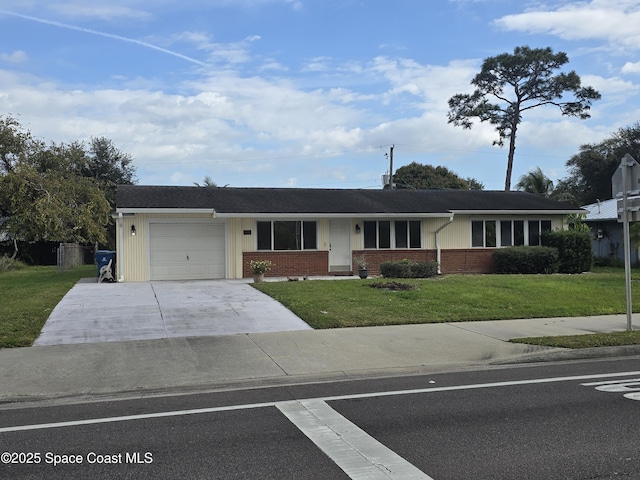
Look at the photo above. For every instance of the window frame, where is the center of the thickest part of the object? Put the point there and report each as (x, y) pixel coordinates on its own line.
(519, 231)
(389, 234)
(301, 240)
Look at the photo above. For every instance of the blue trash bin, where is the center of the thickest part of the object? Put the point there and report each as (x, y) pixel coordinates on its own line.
(106, 260)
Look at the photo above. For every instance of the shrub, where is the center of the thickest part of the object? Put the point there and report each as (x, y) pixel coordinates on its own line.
(409, 269)
(7, 264)
(608, 262)
(574, 249)
(526, 260)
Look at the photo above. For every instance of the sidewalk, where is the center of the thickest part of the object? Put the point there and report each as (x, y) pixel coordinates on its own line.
(172, 365)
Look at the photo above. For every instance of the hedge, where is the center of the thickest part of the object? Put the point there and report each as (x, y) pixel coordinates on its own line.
(526, 260)
(409, 269)
(574, 249)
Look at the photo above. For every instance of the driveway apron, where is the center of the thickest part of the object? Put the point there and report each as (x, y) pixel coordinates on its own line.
(92, 312)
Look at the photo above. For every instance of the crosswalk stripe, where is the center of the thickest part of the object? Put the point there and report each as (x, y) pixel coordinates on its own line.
(358, 454)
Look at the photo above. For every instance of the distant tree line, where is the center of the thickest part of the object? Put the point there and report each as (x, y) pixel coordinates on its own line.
(590, 170)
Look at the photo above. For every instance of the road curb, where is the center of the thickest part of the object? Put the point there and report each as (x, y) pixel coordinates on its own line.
(573, 354)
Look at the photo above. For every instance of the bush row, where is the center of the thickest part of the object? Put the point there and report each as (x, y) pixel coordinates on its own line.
(526, 260)
(409, 269)
(564, 251)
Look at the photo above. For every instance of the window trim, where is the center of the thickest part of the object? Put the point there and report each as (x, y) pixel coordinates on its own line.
(498, 230)
(272, 235)
(392, 233)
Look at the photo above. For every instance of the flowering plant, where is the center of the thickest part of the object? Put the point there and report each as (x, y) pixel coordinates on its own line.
(361, 261)
(260, 266)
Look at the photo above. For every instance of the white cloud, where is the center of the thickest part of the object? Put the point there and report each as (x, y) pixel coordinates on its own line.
(107, 11)
(615, 21)
(15, 57)
(631, 67)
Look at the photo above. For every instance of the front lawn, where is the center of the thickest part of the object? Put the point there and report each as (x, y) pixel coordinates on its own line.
(27, 297)
(454, 298)
(612, 339)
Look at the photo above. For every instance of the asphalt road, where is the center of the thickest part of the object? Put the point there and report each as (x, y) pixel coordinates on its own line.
(576, 420)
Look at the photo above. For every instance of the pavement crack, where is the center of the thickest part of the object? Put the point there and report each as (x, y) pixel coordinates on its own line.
(164, 326)
(267, 354)
(459, 325)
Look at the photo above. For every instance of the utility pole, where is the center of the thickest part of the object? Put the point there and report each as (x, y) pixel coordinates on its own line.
(391, 167)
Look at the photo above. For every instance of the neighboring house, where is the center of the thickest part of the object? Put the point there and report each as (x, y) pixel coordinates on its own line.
(169, 233)
(607, 235)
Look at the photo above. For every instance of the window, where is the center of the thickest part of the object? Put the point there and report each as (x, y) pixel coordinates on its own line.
(384, 237)
(477, 233)
(536, 227)
(398, 234)
(287, 235)
(483, 233)
(415, 237)
(488, 234)
(264, 235)
(370, 234)
(511, 233)
(310, 236)
(402, 235)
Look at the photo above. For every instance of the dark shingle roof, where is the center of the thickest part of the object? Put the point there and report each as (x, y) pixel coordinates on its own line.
(330, 201)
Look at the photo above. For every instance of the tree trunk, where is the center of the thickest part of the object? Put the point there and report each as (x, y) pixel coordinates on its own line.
(15, 249)
(512, 151)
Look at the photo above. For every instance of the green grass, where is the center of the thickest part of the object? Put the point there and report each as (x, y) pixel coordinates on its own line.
(614, 339)
(455, 298)
(27, 297)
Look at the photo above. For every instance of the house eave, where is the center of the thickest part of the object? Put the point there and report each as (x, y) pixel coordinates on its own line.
(518, 212)
(334, 215)
(208, 211)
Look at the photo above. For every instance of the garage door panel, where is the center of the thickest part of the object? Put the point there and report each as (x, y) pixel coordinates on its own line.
(180, 251)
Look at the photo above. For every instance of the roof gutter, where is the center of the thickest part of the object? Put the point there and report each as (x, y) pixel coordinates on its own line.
(438, 251)
(296, 215)
(129, 211)
(518, 212)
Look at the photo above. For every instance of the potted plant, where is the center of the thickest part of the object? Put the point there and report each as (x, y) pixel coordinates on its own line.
(258, 267)
(362, 263)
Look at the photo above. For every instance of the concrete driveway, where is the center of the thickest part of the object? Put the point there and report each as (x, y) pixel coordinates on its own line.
(111, 312)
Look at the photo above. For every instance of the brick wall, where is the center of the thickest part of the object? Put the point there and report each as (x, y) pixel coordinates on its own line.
(289, 263)
(299, 263)
(452, 261)
(467, 261)
(376, 257)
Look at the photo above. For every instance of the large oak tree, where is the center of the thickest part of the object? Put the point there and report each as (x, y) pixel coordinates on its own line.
(510, 84)
(421, 177)
(61, 192)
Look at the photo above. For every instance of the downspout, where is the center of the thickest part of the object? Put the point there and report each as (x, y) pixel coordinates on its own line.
(120, 263)
(438, 252)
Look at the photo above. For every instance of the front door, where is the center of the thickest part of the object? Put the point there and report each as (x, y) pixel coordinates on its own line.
(340, 246)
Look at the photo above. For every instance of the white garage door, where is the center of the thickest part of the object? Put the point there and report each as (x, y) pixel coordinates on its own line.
(186, 251)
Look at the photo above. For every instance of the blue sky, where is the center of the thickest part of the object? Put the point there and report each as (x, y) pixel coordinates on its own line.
(309, 93)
